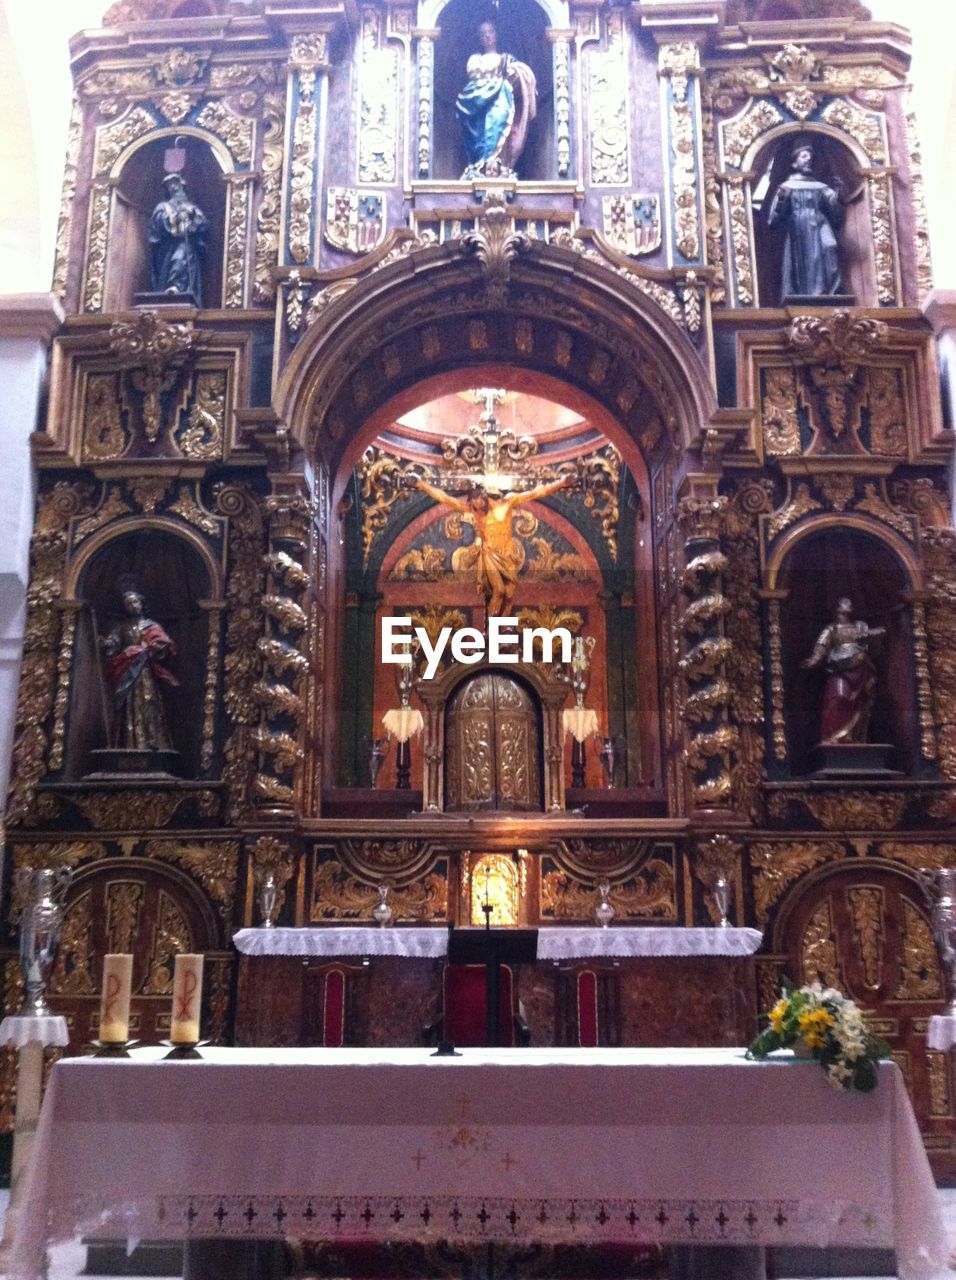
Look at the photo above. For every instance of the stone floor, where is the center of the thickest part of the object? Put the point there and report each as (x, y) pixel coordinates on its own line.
(68, 1261)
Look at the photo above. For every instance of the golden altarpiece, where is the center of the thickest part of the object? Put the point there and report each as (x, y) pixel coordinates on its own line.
(615, 309)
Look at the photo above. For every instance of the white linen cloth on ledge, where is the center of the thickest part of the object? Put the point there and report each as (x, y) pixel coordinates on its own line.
(555, 942)
(553, 1145)
(942, 1032)
(22, 1029)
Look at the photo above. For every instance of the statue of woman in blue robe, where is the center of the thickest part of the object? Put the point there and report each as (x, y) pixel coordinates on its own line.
(495, 108)
(812, 213)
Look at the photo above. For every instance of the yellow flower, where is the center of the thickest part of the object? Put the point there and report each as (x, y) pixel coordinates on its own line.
(812, 1024)
(778, 1013)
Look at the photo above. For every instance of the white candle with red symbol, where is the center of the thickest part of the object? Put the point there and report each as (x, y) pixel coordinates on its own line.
(187, 998)
(114, 1005)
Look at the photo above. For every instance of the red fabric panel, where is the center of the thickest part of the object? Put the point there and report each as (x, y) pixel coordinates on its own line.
(587, 1009)
(465, 1008)
(333, 1010)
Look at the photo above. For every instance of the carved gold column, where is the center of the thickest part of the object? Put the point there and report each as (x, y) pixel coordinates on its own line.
(561, 54)
(924, 689)
(234, 287)
(678, 65)
(710, 738)
(307, 58)
(778, 728)
(69, 610)
(283, 647)
(213, 610)
(97, 240)
(425, 37)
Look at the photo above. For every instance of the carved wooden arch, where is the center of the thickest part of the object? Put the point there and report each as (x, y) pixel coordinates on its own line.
(136, 524)
(906, 554)
(435, 694)
(435, 309)
(224, 157)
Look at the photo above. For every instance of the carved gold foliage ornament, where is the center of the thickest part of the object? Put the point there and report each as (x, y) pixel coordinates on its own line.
(495, 244)
(794, 509)
(841, 338)
(924, 265)
(268, 214)
(234, 130)
(73, 972)
(380, 477)
(819, 956)
(881, 227)
(863, 126)
(64, 227)
(188, 508)
(778, 412)
(241, 663)
(845, 810)
(113, 139)
(152, 350)
(867, 906)
(426, 75)
(337, 895)
(179, 66)
(740, 239)
(716, 859)
(127, 810)
(774, 868)
(56, 508)
(738, 134)
(104, 435)
(202, 436)
(607, 107)
(676, 63)
(920, 977)
(307, 55)
(101, 197)
(562, 104)
(378, 108)
(213, 863)
(650, 894)
(237, 222)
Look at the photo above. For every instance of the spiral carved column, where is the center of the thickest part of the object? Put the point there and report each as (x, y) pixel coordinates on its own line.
(710, 737)
(283, 648)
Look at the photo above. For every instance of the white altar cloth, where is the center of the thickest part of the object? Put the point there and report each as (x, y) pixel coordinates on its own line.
(555, 942)
(625, 940)
(21, 1029)
(343, 940)
(589, 1146)
(942, 1032)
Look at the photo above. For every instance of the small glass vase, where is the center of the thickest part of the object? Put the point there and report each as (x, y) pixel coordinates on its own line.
(382, 913)
(604, 913)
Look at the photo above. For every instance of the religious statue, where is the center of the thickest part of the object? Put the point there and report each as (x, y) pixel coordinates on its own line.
(812, 213)
(135, 652)
(842, 649)
(177, 243)
(496, 552)
(495, 108)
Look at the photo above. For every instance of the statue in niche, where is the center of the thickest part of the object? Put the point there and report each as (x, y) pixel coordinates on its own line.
(495, 108)
(811, 214)
(177, 243)
(136, 650)
(496, 554)
(842, 649)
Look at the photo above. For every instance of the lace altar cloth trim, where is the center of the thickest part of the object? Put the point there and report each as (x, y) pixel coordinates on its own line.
(555, 942)
(558, 943)
(942, 1032)
(472, 1220)
(344, 940)
(23, 1029)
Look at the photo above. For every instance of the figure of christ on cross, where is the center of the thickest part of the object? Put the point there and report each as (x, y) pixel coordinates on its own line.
(498, 551)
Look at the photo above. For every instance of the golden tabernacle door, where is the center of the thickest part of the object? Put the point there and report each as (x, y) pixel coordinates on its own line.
(492, 745)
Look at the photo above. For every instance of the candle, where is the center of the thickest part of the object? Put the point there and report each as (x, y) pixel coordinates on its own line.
(114, 1007)
(187, 997)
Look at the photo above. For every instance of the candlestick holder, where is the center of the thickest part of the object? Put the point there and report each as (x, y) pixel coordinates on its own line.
(183, 1050)
(112, 1048)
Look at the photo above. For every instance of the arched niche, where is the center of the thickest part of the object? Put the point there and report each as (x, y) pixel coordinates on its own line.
(835, 164)
(138, 189)
(521, 27)
(175, 581)
(817, 571)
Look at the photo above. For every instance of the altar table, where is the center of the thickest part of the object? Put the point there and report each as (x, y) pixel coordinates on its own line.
(586, 1146)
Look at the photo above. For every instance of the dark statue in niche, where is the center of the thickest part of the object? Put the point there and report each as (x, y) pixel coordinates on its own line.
(177, 243)
(848, 694)
(811, 214)
(495, 109)
(136, 650)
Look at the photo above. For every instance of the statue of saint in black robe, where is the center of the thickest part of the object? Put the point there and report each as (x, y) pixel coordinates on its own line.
(177, 242)
(811, 213)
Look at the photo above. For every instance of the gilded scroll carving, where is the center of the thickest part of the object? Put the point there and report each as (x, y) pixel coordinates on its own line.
(775, 867)
(171, 935)
(607, 108)
(819, 957)
(234, 286)
(73, 972)
(740, 239)
(64, 229)
(863, 126)
(778, 412)
(920, 978)
(113, 139)
(650, 894)
(268, 215)
(738, 134)
(201, 438)
(939, 555)
(234, 130)
(340, 896)
(881, 227)
(94, 284)
(104, 435)
(844, 810)
(866, 916)
(214, 864)
(562, 104)
(152, 350)
(308, 54)
(924, 264)
(426, 75)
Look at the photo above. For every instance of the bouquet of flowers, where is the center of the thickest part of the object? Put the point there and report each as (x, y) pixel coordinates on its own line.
(823, 1023)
